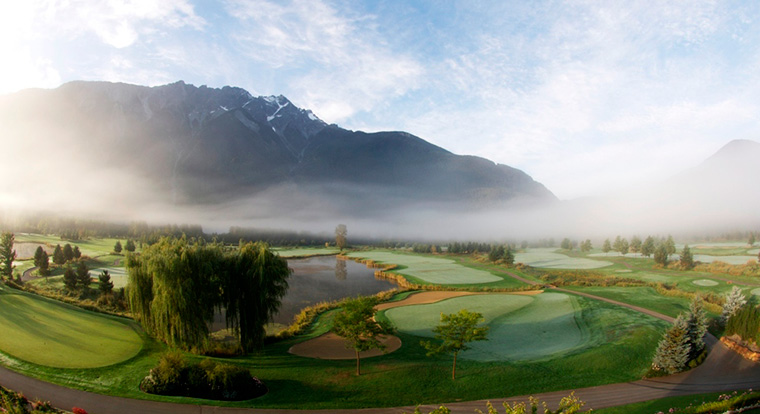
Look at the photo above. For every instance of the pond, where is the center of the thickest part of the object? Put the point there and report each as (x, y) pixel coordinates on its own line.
(320, 279)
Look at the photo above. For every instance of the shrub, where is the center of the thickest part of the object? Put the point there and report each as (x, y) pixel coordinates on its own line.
(207, 379)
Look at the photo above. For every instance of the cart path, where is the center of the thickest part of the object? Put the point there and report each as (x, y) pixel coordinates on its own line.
(722, 370)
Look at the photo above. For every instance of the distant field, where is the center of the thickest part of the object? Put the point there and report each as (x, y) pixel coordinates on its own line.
(306, 251)
(54, 334)
(90, 247)
(546, 258)
(430, 269)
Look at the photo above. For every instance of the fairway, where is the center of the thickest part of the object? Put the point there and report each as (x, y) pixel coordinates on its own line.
(50, 333)
(430, 269)
(522, 327)
(305, 252)
(546, 258)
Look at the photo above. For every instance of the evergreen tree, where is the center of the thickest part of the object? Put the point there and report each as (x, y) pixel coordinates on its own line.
(509, 257)
(696, 322)
(687, 259)
(617, 244)
(105, 285)
(77, 252)
(7, 255)
(672, 353)
(117, 247)
(623, 246)
(586, 246)
(44, 264)
(68, 252)
(566, 244)
(493, 255)
(751, 240)
(83, 275)
(58, 257)
(734, 301)
(38, 256)
(648, 247)
(606, 246)
(130, 246)
(70, 278)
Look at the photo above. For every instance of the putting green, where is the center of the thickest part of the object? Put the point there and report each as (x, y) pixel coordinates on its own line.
(704, 282)
(546, 258)
(54, 334)
(522, 327)
(430, 269)
(755, 291)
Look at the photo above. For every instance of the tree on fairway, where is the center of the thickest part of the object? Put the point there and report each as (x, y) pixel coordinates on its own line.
(70, 278)
(586, 246)
(670, 245)
(340, 236)
(68, 252)
(635, 244)
(77, 252)
(44, 264)
(623, 246)
(606, 247)
(696, 327)
(117, 247)
(38, 256)
(647, 248)
(672, 353)
(7, 255)
(129, 246)
(617, 244)
(661, 255)
(566, 244)
(83, 275)
(355, 323)
(687, 259)
(509, 257)
(734, 301)
(105, 285)
(455, 332)
(58, 257)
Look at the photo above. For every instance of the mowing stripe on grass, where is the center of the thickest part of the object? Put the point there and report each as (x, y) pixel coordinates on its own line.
(430, 269)
(547, 259)
(50, 333)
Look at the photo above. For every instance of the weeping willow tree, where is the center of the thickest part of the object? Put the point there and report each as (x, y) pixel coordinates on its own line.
(252, 291)
(174, 288)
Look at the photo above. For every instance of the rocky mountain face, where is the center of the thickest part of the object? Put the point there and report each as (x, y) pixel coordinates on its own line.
(201, 145)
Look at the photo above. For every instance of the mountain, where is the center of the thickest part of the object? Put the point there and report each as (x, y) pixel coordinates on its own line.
(198, 145)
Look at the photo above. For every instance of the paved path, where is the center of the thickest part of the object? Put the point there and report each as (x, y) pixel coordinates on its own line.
(722, 370)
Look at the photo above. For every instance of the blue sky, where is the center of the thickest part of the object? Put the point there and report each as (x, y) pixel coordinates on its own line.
(585, 96)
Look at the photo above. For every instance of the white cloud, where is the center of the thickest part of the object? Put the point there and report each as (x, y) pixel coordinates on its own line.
(337, 64)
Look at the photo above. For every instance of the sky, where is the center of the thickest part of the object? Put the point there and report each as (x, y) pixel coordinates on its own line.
(585, 96)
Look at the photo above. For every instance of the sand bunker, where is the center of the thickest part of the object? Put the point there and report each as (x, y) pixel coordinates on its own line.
(331, 346)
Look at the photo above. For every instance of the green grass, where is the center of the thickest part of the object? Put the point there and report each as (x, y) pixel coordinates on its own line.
(645, 297)
(546, 258)
(430, 269)
(91, 247)
(306, 251)
(50, 333)
(664, 404)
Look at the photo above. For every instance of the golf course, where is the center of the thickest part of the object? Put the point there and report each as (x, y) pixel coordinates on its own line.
(539, 340)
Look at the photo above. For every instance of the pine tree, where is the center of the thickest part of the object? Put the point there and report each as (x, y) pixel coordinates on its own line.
(105, 285)
(661, 255)
(617, 245)
(687, 259)
(623, 246)
(635, 244)
(58, 257)
(7, 255)
(77, 252)
(38, 256)
(670, 246)
(672, 353)
(130, 246)
(44, 264)
(117, 247)
(696, 327)
(734, 301)
(509, 257)
(70, 278)
(83, 275)
(68, 252)
(751, 240)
